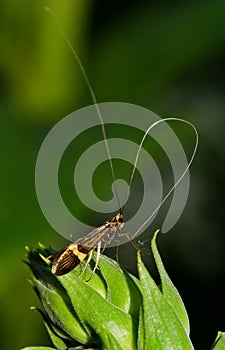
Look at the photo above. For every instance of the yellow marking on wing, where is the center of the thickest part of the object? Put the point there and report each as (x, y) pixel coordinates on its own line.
(81, 256)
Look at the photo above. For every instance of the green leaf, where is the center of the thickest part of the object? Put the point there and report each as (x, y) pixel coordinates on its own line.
(169, 290)
(82, 348)
(121, 289)
(219, 342)
(163, 329)
(54, 297)
(110, 323)
(60, 312)
(118, 292)
(113, 343)
(38, 348)
(141, 334)
(94, 280)
(56, 340)
(56, 335)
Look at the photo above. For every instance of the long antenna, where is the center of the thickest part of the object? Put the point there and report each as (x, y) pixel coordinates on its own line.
(93, 96)
(180, 178)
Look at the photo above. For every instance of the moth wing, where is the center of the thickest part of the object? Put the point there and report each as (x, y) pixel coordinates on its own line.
(67, 259)
(91, 240)
(64, 261)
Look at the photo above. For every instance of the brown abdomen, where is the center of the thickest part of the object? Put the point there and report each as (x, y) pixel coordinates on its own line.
(64, 261)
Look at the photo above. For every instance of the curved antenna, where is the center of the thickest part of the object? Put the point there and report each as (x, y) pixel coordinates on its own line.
(92, 93)
(180, 178)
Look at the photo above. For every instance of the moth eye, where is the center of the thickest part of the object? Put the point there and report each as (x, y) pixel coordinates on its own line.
(120, 219)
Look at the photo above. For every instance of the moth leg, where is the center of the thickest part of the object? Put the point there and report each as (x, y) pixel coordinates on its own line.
(117, 249)
(98, 253)
(97, 257)
(132, 241)
(103, 248)
(87, 262)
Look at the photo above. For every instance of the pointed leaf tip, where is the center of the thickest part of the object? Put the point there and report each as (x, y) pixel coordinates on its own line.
(219, 343)
(169, 291)
(46, 260)
(155, 234)
(41, 245)
(162, 327)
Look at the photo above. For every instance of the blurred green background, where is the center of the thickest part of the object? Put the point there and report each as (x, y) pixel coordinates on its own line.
(166, 56)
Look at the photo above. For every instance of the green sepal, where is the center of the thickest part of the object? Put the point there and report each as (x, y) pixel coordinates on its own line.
(61, 313)
(93, 279)
(121, 289)
(57, 337)
(105, 319)
(169, 291)
(55, 298)
(162, 327)
(56, 340)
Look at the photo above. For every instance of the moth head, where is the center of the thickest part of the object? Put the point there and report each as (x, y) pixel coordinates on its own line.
(119, 219)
